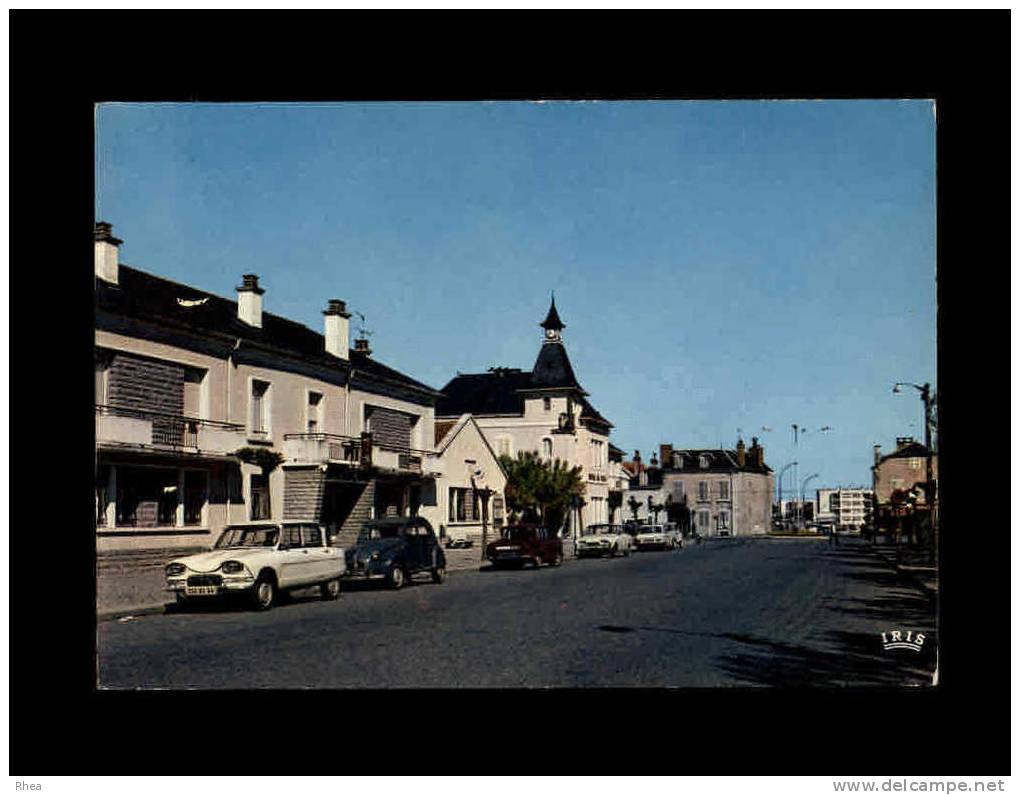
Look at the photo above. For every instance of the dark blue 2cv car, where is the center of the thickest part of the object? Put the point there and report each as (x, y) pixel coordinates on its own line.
(395, 549)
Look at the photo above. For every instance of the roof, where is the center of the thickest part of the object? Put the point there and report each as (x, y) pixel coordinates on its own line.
(552, 369)
(552, 320)
(145, 297)
(911, 450)
(719, 460)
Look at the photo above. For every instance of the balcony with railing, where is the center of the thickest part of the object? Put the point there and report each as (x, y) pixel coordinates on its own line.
(125, 427)
(323, 448)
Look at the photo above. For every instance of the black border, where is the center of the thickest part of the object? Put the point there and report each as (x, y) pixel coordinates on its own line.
(63, 62)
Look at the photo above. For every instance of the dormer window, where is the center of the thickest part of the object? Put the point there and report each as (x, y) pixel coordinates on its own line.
(547, 403)
(703, 461)
(678, 461)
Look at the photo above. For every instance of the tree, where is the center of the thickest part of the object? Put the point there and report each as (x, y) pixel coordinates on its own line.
(539, 490)
(656, 508)
(614, 503)
(634, 505)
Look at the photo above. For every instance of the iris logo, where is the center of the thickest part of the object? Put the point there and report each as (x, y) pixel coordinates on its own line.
(896, 639)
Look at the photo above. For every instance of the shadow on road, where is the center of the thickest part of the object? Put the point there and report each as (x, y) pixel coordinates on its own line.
(857, 659)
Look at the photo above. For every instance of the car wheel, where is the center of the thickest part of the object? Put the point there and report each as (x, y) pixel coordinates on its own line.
(438, 574)
(397, 577)
(330, 590)
(615, 552)
(558, 560)
(264, 592)
(537, 561)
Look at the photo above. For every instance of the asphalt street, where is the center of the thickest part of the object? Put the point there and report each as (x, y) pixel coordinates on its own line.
(730, 612)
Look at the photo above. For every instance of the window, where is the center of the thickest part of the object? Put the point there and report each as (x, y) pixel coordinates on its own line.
(259, 489)
(101, 368)
(503, 446)
(703, 490)
(193, 379)
(914, 463)
(292, 536)
(311, 536)
(314, 420)
(259, 407)
(724, 520)
(464, 505)
(703, 520)
(102, 497)
(547, 448)
(194, 496)
(547, 403)
(146, 497)
(703, 462)
(724, 490)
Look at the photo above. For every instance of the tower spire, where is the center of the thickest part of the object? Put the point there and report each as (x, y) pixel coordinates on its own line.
(552, 320)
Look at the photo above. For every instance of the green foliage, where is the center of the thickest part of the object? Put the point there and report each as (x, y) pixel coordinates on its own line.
(268, 460)
(540, 491)
(633, 504)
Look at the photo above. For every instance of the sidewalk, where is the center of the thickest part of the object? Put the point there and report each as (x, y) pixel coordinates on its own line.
(923, 576)
(136, 588)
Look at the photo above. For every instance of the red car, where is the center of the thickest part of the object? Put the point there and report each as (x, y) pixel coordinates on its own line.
(522, 544)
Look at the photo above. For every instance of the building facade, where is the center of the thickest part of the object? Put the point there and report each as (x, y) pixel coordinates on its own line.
(211, 411)
(849, 509)
(545, 410)
(726, 492)
(904, 469)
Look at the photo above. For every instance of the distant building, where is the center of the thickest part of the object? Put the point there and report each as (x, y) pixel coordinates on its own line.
(847, 508)
(727, 492)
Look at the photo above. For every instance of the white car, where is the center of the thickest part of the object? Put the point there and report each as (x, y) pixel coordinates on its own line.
(605, 540)
(658, 536)
(259, 559)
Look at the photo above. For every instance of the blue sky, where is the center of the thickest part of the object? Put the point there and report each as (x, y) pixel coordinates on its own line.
(719, 265)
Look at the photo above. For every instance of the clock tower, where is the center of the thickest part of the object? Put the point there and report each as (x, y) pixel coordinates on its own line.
(552, 324)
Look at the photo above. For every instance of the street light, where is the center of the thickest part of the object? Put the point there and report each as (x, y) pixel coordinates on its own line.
(779, 483)
(929, 485)
(803, 486)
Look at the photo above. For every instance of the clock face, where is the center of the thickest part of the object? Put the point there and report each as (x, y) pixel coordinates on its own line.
(550, 334)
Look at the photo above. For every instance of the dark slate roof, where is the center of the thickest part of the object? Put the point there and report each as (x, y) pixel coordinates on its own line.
(588, 412)
(552, 320)
(552, 369)
(912, 450)
(144, 297)
(718, 461)
(496, 392)
(615, 453)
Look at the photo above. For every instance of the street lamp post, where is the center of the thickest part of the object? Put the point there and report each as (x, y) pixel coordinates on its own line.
(929, 485)
(803, 486)
(779, 483)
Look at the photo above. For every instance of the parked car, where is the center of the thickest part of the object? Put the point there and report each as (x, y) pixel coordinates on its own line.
(395, 549)
(603, 540)
(522, 544)
(658, 536)
(259, 560)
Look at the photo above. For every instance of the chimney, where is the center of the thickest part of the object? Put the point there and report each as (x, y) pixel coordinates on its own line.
(741, 453)
(361, 346)
(249, 301)
(903, 441)
(637, 459)
(654, 462)
(757, 453)
(107, 254)
(338, 334)
(666, 456)
(878, 453)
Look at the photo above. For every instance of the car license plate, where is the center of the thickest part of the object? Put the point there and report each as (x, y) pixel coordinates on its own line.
(201, 590)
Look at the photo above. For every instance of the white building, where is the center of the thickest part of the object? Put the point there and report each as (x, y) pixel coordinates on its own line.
(849, 509)
(545, 410)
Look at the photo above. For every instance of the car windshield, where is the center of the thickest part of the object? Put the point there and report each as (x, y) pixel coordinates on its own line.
(653, 529)
(602, 529)
(518, 533)
(248, 537)
(373, 532)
